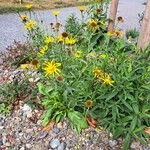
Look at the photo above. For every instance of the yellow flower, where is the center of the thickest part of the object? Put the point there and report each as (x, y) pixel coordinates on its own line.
(82, 8)
(24, 66)
(98, 72)
(118, 33)
(78, 54)
(70, 41)
(88, 104)
(49, 40)
(93, 24)
(106, 79)
(24, 18)
(60, 39)
(43, 50)
(30, 25)
(115, 33)
(51, 68)
(28, 6)
(111, 33)
(27, 66)
(56, 13)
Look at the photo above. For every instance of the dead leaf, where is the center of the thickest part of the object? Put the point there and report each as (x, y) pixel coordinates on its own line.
(49, 126)
(147, 130)
(92, 122)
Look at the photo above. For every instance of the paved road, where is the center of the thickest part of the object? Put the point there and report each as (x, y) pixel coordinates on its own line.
(11, 27)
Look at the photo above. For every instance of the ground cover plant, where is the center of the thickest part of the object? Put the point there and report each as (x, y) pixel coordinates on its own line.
(91, 76)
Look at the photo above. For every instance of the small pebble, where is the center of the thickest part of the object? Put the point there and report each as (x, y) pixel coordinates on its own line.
(112, 143)
(54, 143)
(62, 146)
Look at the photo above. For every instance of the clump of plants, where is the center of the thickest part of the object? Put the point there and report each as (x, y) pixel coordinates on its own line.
(92, 75)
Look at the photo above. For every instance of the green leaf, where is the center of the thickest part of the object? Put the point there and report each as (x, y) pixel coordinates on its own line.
(111, 95)
(133, 123)
(127, 105)
(126, 142)
(77, 120)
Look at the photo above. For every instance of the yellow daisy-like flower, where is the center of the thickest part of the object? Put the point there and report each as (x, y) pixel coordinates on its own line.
(70, 41)
(82, 8)
(118, 33)
(24, 18)
(98, 72)
(30, 25)
(28, 6)
(43, 50)
(56, 13)
(93, 24)
(24, 66)
(88, 104)
(106, 79)
(60, 39)
(78, 54)
(111, 33)
(51, 68)
(49, 40)
(27, 66)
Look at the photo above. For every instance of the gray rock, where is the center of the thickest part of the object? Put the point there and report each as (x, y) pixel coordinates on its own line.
(1, 143)
(42, 134)
(62, 146)
(112, 143)
(56, 130)
(54, 143)
(22, 148)
(28, 146)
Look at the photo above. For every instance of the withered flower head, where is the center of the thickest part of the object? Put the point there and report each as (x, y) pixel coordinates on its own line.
(88, 103)
(110, 20)
(64, 34)
(120, 19)
(98, 10)
(51, 24)
(35, 62)
(59, 78)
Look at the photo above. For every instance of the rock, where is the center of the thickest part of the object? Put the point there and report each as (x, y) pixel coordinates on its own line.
(1, 143)
(28, 146)
(1, 127)
(29, 130)
(56, 130)
(26, 108)
(62, 146)
(7, 144)
(54, 143)
(22, 148)
(60, 125)
(135, 145)
(42, 134)
(112, 143)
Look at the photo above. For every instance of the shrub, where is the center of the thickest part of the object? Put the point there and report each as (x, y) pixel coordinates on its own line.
(93, 73)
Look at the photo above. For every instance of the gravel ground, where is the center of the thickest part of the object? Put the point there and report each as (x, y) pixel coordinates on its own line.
(22, 130)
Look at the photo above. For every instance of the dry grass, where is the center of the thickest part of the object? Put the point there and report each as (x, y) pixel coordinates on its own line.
(7, 6)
